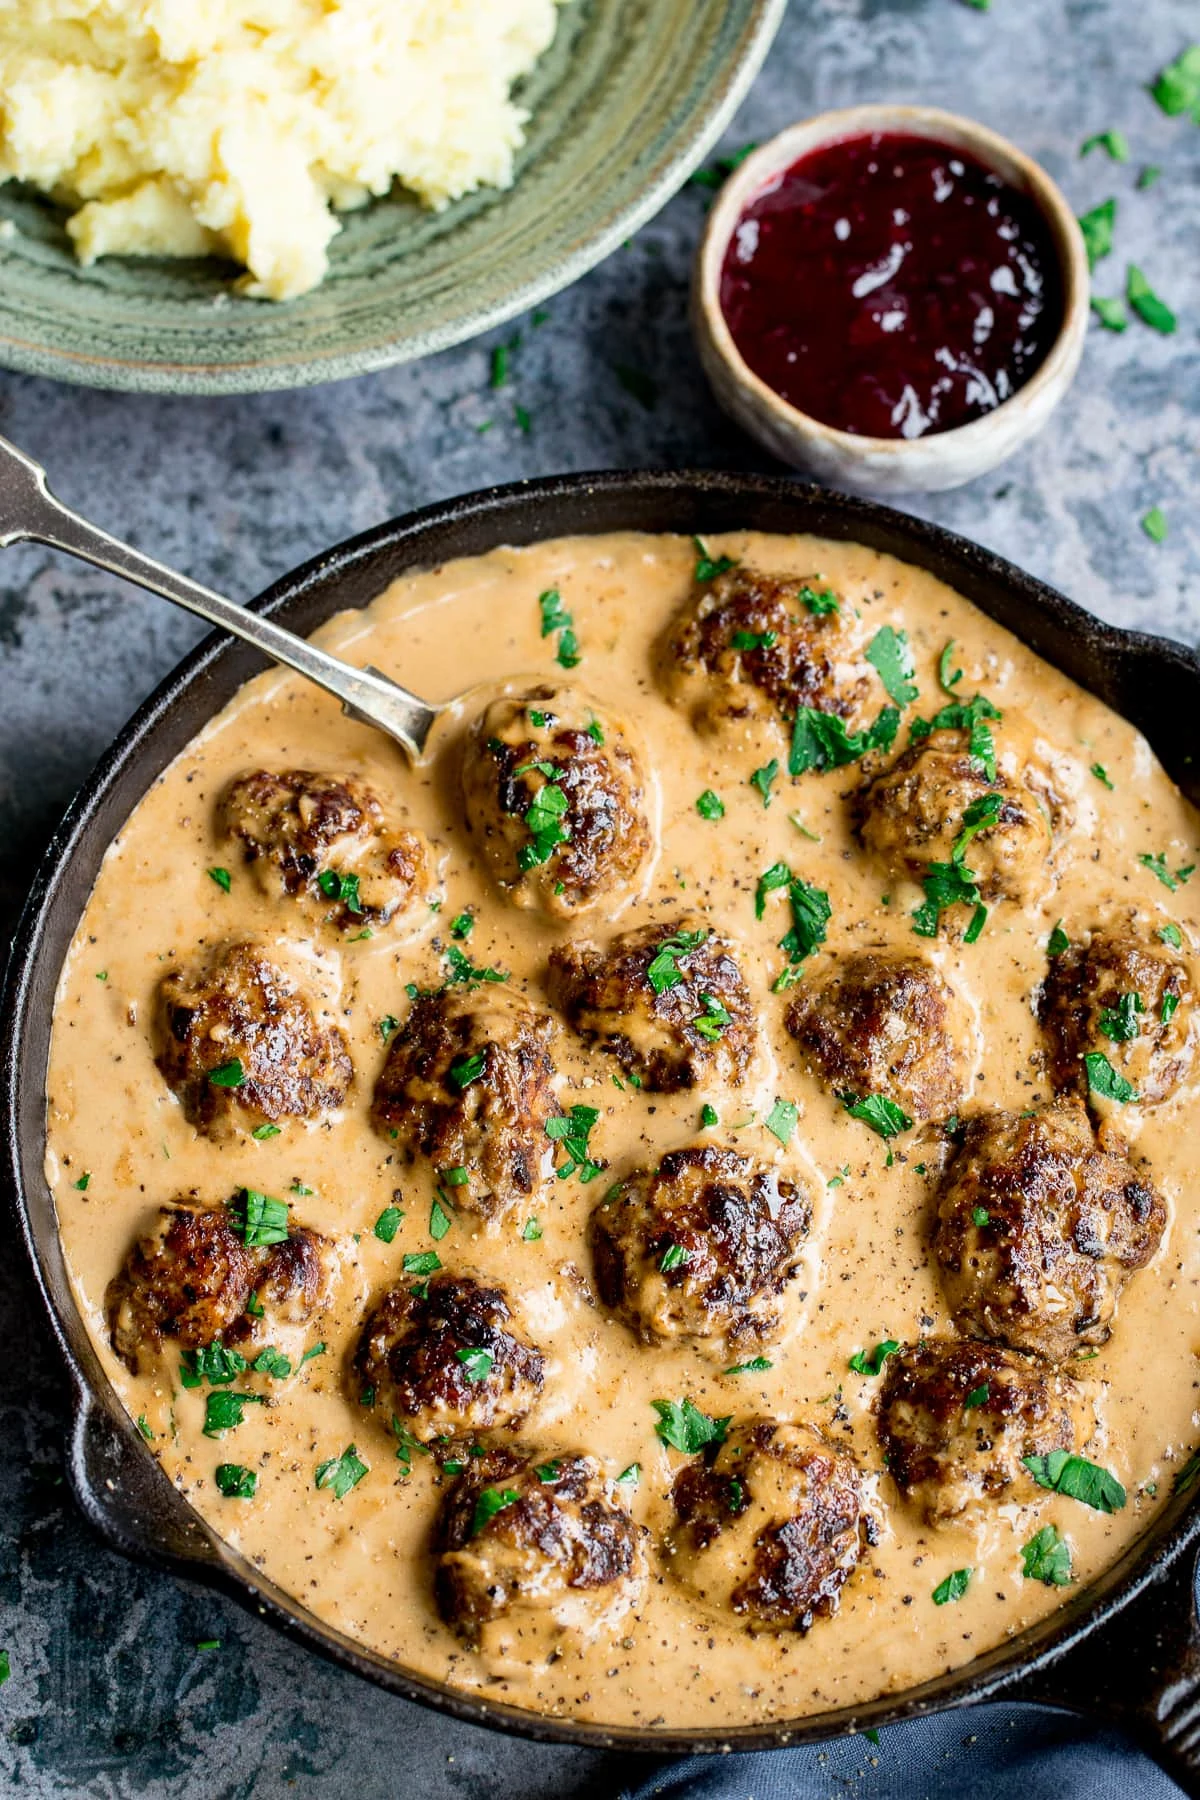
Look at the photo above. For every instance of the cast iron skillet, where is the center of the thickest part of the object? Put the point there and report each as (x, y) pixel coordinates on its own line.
(1125, 1649)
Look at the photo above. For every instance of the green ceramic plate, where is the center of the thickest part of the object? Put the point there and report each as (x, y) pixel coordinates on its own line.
(627, 101)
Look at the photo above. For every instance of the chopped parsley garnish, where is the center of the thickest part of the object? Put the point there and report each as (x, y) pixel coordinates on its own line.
(421, 1262)
(757, 1365)
(976, 716)
(1058, 941)
(1177, 88)
(1146, 303)
(544, 820)
(947, 681)
(499, 371)
(1154, 524)
(214, 1363)
(820, 740)
(980, 1216)
(1119, 1024)
(1157, 865)
(465, 1069)
(884, 1117)
(340, 887)
(81, 1186)
(222, 877)
(223, 1410)
(1078, 1479)
(713, 1020)
(753, 640)
(819, 601)
(684, 1427)
(439, 1221)
(261, 1133)
(870, 1362)
(525, 426)
(477, 1364)
(781, 1120)
(229, 1074)
(555, 617)
(978, 1396)
(490, 1502)
(721, 168)
(710, 805)
(462, 925)
(406, 1443)
(952, 884)
(254, 1307)
(315, 1350)
(708, 1115)
(531, 1231)
(548, 1473)
(1110, 311)
(663, 970)
(1149, 175)
(387, 1224)
(573, 1132)
(1186, 1477)
(456, 1177)
(272, 1362)
(5, 1668)
(643, 387)
(630, 1477)
(674, 1257)
(708, 567)
(737, 1495)
(811, 913)
(763, 778)
(1047, 1557)
(1169, 1007)
(1097, 228)
(953, 1588)
(1171, 934)
(341, 1473)
(1114, 142)
(462, 972)
(1106, 1081)
(387, 1026)
(258, 1219)
(144, 1427)
(235, 1481)
(889, 653)
(1102, 776)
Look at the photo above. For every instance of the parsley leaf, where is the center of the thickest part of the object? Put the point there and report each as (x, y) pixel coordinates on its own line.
(421, 1262)
(555, 617)
(214, 1363)
(258, 1219)
(531, 1231)
(953, 1588)
(1114, 142)
(1110, 312)
(763, 778)
(545, 821)
(1058, 941)
(1119, 1024)
(222, 877)
(223, 1410)
(1154, 524)
(340, 887)
(630, 1477)
(1078, 1479)
(820, 740)
(889, 653)
(1106, 1081)
(464, 973)
(978, 1396)
(819, 601)
(1047, 1557)
(713, 1020)
(1171, 934)
(975, 716)
(708, 1115)
(465, 1069)
(684, 1427)
(884, 1117)
(781, 1120)
(710, 805)
(477, 1363)
(674, 1257)
(663, 970)
(752, 640)
(1146, 303)
(870, 1362)
(235, 1481)
(573, 1132)
(708, 567)
(1097, 228)
(757, 1365)
(439, 1221)
(946, 680)
(229, 1074)
(1102, 776)
(387, 1224)
(811, 913)
(1157, 865)
(341, 1473)
(1169, 1007)
(1177, 88)
(490, 1502)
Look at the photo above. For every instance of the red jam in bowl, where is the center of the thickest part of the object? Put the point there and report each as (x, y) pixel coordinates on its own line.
(891, 286)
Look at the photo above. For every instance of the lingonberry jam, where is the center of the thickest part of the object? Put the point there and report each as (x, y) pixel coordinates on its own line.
(892, 286)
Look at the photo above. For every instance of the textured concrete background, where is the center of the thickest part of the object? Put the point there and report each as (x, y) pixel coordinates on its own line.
(109, 1695)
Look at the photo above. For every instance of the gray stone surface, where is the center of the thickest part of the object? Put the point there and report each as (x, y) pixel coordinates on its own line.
(108, 1694)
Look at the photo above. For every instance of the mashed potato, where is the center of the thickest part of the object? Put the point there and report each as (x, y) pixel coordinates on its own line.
(239, 127)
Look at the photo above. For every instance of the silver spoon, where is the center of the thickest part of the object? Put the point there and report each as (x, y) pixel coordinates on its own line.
(29, 512)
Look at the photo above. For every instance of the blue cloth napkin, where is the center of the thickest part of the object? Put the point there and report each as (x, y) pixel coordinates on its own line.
(993, 1752)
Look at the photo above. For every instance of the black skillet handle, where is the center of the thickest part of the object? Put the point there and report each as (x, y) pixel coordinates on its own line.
(124, 1493)
(1140, 1672)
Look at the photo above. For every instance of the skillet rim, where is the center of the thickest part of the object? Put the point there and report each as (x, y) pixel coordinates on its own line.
(104, 1441)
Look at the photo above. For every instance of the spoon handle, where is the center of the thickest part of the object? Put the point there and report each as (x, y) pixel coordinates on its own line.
(29, 511)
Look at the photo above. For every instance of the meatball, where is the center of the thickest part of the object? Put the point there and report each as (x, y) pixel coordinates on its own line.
(667, 1001)
(192, 1277)
(886, 1022)
(241, 1047)
(700, 1249)
(750, 650)
(326, 840)
(536, 1545)
(556, 799)
(444, 1361)
(1039, 1228)
(914, 813)
(770, 1524)
(957, 1419)
(1128, 996)
(467, 1085)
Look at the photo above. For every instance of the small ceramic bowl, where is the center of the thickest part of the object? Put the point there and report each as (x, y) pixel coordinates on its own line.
(875, 465)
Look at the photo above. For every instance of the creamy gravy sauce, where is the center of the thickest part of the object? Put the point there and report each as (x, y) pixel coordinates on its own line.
(362, 1563)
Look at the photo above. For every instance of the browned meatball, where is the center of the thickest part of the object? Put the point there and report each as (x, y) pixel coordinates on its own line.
(749, 649)
(886, 1021)
(957, 1419)
(1039, 1228)
(668, 1001)
(913, 813)
(556, 799)
(1125, 994)
(536, 1546)
(770, 1524)
(191, 1278)
(445, 1361)
(326, 839)
(467, 1085)
(700, 1249)
(240, 1045)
